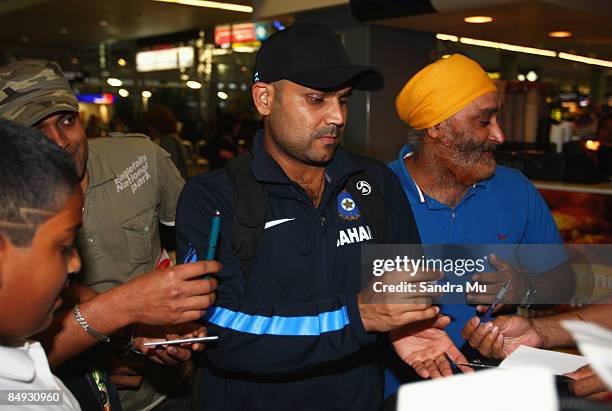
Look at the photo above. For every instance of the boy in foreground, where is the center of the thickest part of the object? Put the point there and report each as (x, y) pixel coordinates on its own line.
(40, 212)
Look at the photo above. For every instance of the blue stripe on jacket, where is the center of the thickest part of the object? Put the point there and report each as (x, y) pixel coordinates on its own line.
(277, 325)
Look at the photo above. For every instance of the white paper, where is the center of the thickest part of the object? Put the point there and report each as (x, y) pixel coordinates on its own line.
(595, 342)
(495, 389)
(555, 362)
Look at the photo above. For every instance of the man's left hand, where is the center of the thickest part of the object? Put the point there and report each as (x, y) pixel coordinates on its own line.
(425, 345)
(494, 282)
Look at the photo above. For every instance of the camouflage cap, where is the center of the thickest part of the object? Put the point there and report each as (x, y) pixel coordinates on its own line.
(31, 90)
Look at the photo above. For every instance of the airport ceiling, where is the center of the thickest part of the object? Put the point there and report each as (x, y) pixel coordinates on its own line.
(527, 23)
(65, 24)
(60, 29)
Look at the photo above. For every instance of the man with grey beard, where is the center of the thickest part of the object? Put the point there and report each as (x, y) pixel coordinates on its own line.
(459, 195)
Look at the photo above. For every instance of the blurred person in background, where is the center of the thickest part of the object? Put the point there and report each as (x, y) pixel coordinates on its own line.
(222, 147)
(162, 128)
(604, 135)
(95, 127)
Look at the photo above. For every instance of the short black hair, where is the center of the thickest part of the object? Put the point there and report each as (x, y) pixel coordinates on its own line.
(36, 176)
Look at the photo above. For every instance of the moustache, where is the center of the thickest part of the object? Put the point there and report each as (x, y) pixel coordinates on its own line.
(326, 131)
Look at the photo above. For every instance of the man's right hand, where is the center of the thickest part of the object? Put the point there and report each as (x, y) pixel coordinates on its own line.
(500, 337)
(386, 311)
(173, 295)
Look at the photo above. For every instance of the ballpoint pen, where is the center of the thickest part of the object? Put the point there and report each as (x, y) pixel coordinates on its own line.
(213, 238)
(500, 294)
(214, 235)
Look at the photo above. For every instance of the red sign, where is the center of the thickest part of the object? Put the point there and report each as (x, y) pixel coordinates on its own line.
(236, 33)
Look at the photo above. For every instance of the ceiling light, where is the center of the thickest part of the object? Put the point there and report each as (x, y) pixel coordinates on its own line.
(531, 76)
(194, 84)
(560, 34)
(448, 37)
(478, 19)
(115, 82)
(147, 94)
(222, 95)
(123, 92)
(521, 77)
(184, 77)
(103, 23)
(212, 5)
(587, 60)
(121, 62)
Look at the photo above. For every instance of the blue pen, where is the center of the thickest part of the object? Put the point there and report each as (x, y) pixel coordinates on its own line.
(500, 294)
(214, 235)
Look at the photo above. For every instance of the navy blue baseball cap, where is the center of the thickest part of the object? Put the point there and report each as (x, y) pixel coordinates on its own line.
(313, 56)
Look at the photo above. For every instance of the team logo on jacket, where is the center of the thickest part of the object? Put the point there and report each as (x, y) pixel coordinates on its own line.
(347, 207)
(364, 187)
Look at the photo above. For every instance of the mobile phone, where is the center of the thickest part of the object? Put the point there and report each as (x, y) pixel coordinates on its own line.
(183, 341)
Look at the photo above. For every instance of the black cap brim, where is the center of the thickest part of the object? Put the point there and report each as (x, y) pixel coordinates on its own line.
(365, 78)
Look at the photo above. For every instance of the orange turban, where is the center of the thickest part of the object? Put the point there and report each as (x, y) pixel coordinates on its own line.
(440, 90)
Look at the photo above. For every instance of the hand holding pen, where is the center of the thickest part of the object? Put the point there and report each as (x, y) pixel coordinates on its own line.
(498, 298)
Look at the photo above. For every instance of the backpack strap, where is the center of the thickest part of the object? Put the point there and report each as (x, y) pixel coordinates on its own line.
(250, 202)
(365, 192)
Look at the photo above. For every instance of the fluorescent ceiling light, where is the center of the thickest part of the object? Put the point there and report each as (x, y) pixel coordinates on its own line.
(587, 60)
(528, 50)
(448, 37)
(212, 5)
(509, 47)
(478, 19)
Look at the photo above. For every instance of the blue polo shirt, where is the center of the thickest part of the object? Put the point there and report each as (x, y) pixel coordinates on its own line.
(503, 209)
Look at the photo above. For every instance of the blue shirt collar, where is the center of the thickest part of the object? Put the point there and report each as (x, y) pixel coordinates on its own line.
(413, 191)
(266, 169)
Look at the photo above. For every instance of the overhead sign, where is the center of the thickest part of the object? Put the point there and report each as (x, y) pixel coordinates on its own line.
(226, 35)
(165, 59)
(104, 98)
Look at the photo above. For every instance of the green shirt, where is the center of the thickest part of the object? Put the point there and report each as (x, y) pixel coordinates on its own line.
(133, 185)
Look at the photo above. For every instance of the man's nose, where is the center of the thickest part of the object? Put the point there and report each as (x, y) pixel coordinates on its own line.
(56, 134)
(497, 134)
(336, 115)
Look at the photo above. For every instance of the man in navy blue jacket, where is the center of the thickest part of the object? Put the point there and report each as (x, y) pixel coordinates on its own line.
(295, 332)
